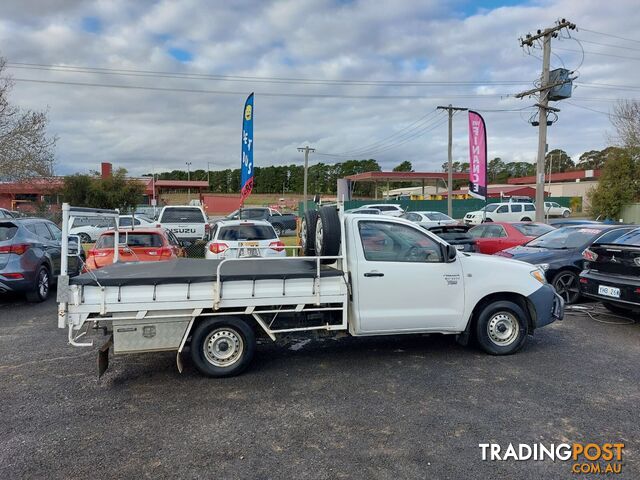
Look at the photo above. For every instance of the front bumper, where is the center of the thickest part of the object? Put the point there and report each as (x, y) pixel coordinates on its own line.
(548, 306)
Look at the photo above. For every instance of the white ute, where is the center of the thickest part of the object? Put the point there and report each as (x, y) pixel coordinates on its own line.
(373, 275)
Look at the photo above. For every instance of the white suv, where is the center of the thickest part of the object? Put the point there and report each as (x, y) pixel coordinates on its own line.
(391, 209)
(554, 209)
(502, 212)
(242, 238)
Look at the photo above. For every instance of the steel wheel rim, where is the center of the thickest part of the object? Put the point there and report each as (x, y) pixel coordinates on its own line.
(43, 284)
(319, 235)
(303, 234)
(503, 328)
(566, 286)
(223, 347)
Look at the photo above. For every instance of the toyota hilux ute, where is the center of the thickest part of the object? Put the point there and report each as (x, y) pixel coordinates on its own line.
(187, 222)
(371, 275)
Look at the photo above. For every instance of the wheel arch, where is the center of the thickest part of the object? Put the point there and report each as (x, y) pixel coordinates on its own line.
(517, 298)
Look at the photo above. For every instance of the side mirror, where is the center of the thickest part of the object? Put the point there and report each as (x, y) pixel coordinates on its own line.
(451, 253)
(74, 248)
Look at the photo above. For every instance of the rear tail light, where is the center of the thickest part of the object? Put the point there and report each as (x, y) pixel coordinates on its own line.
(17, 248)
(13, 276)
(583, 280)
(637, 290)
(589, 255)
(216, 247)
(207, 227)
(277, 246)
(97, 253)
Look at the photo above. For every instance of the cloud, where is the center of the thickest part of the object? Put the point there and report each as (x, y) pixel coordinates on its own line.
(405, 41)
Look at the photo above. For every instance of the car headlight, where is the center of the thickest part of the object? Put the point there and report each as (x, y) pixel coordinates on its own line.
(538, 275)
(543, 266)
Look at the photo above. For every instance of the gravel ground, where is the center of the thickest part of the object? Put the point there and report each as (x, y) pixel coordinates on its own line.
(397, 407)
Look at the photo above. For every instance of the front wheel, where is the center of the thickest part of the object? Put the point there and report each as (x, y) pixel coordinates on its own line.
(84, 238)
(501, 328)
(566, 214)
(222, 347)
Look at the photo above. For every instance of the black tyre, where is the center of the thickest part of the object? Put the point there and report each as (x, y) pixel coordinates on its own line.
(487, 220)
(328, 233)
(566, 214)
(42, 286)
(618, 310)
(501, 328)
(526, 219)
(308, 233)
(222, 347)
(566, 284)
(279, 229)
(84, 238)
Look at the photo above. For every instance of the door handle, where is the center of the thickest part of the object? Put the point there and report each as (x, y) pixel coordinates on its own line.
(374, 274)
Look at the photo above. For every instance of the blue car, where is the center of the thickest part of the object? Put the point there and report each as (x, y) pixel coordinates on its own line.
(559, 253)
(30, 251)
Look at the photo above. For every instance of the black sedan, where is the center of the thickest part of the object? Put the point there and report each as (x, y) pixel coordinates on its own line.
(559, 253)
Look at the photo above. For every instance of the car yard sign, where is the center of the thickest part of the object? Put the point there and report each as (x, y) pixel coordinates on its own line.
(477, 156)
(246, 167)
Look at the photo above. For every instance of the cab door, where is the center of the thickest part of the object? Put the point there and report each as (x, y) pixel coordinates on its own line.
(403, 283)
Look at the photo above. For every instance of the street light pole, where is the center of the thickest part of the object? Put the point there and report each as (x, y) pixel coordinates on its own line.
(306, 151)
(188, 179)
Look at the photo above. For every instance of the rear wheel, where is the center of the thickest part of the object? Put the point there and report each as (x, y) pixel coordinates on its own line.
(222, 347)
(501, 328)
(42, 286)
(487, 220)
(526, 219)
(566, 285)
(328, 233)
(308, 233)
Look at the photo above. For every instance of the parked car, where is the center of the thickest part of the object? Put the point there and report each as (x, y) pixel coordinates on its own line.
(30, 257)
(554, 209)
(612, 273)
(188, 222)
(559, 254)
(502, 212)
(142, 244)
(367, 211)
(90, 228)
(391, 209)
(281, 222)
(456, 235)
(429, 219)
(572, 221)
(4, 213)
(242, 238)
(494, 237)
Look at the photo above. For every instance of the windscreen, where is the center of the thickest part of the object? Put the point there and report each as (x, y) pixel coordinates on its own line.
(532, 229)
(490, 208)
(148, 240)
(566, 238)
(437, 216)
(182, 215)
(7, 231)
(247, 232)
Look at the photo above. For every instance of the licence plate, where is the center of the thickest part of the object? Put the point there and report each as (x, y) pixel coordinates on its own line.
(608, 291)
(249, 252)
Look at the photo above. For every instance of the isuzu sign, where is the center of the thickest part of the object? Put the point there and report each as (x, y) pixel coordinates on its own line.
(477, 156)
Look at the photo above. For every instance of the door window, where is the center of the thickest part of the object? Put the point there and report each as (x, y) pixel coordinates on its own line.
(503, 209)
(55, 231)
(477, 232)
(529, 207)
(494, 231)
(611, 236)
(391, 242)
(41, 230)
(516, 208)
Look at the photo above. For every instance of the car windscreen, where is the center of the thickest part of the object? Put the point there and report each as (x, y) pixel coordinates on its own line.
(566, 238)
(247, 232)
(631, 239)
(532, 229)
(148, 240)
(437, 216)
(490, 208)
(182, 215)
(7, 231)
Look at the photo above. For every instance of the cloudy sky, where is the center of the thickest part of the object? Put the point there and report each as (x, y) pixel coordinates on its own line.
(354, 79)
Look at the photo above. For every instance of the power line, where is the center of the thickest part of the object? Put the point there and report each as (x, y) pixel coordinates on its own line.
(597, 53)
(607, 44)
(263, 94)
(609, 114)
(253, 79)
(608, 35)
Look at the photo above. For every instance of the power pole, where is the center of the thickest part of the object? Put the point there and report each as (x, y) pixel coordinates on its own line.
(543, 105)
(451, 109)
(189, 179)
(306, 151)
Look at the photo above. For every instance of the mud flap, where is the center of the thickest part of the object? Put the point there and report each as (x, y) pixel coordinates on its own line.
(103, 356)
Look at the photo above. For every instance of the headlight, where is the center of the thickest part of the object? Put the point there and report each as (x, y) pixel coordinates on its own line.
(543, 266)
(538, 275)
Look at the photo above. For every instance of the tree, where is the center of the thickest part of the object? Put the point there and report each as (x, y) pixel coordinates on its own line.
(619, 184)
(559, 160)
(626, 120)
(595, 159)
(404, 167)
(25, 149)
(116, 191)
(494, 168)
